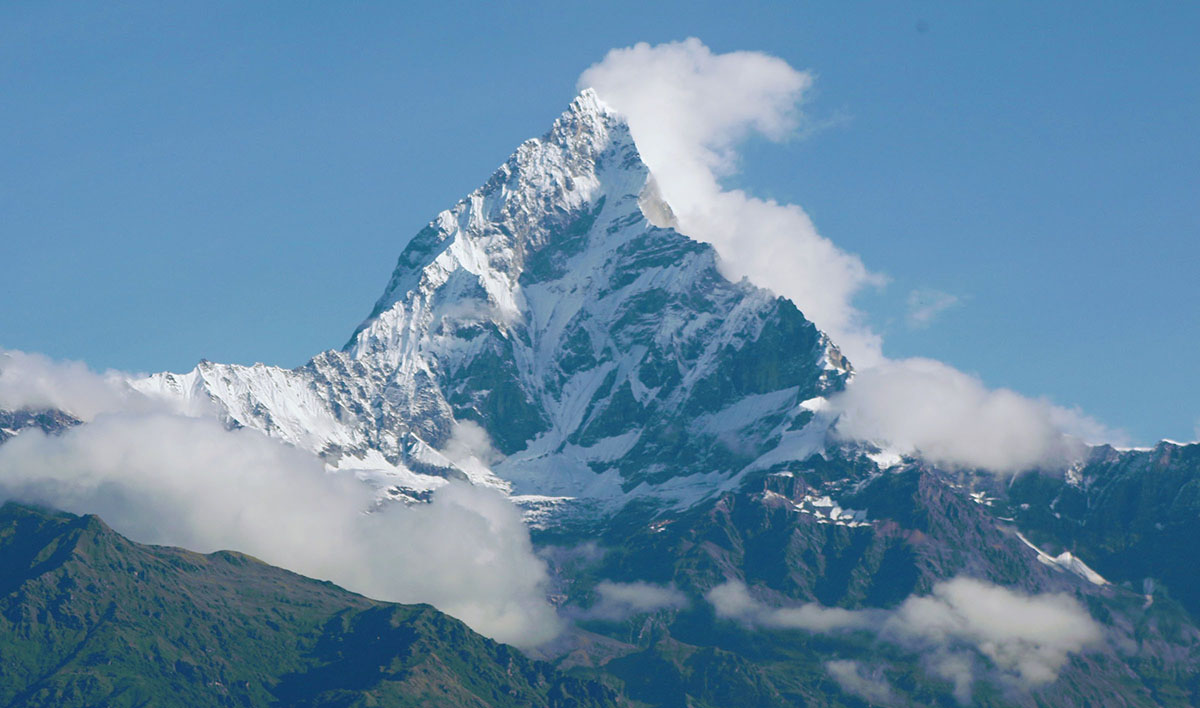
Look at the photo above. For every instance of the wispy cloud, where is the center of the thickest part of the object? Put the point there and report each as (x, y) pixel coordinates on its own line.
(925, 306)
(733, 600)
(618, 601)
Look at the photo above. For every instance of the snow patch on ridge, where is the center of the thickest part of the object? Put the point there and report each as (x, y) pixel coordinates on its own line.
(1065, 561)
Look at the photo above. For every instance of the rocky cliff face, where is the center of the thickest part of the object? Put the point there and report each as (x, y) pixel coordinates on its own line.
(1133, 515)
(48, 421)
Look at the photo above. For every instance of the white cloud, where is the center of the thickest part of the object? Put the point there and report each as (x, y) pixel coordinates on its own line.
(858, 680)
(924, 407)
(688, 108)
(170, 479)
(925, 305)
(1027, 639)
(619, 601)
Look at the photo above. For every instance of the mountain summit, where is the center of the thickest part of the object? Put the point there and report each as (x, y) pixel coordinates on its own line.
(556, 310)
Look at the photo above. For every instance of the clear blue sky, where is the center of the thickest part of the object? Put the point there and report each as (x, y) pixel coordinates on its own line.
(235, 180)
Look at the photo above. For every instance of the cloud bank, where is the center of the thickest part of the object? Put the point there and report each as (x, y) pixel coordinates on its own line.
(926, 408)
(161, 477)
(35, 381)
(1026, 639)
(688, 109)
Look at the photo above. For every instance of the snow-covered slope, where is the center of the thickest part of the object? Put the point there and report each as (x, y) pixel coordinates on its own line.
(604, 355)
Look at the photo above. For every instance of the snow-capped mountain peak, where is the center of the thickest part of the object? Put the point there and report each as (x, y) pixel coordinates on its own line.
(602, 352)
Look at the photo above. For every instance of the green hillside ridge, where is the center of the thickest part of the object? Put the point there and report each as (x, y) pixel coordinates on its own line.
(90, 618)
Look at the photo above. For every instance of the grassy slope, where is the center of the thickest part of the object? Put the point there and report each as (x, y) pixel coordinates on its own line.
(88, 617)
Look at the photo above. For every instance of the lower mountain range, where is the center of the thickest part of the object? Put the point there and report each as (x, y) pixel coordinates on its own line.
(90, 618)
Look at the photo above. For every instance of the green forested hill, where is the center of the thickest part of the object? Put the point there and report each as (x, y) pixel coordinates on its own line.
(89, 618)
